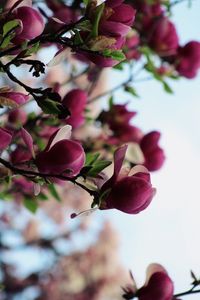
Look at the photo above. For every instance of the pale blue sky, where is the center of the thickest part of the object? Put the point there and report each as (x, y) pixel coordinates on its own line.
(168, 231)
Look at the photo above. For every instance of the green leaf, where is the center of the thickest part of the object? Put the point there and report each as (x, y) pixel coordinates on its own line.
(6, 41)
(95, 26)
(114, 54)
(49, 106)
(86, 2)
(77, 38)
(33, 49)
(85, 25)
(91, 158)
(5, 196)
(98, 167)
(119, 67)
(42, 197)
(9, 26)
(110, 102)
(167, 88)
(31, 205)
(129, 89)
(54, 192)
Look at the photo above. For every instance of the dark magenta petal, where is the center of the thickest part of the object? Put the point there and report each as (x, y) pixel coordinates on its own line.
(112, 28)
(119, 156)
(163, 37)
(130, 195)
(75, 101)
(188, 59)
(32, 21)
(150, 140)
(114, 3)
(100, 60)
(154, 155)
(18, 98)
(124, 14)
(159, 287)
(20, 155)
(65, 155)
(5, 138)
(17, 116)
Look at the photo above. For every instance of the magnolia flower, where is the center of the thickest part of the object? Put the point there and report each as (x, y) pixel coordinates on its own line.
(128, 191)
(10, 98)
(118, 118)
(115, 22)
(163, 37)
(31, 23)
(5, 138)
(61, 156)
(187, 61)
(158, 285)
(17, 117)
(75, 102)
(153, 154)
(117, 19)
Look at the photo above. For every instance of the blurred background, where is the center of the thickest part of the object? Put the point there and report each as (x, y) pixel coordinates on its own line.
(90, 257)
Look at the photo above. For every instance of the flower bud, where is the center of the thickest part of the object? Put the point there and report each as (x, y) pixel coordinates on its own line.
(17, 116)
(15, 97)
(188, 59)
(163, 37)
(154, 155)
(20, 155)
(159, 285)
(5, 138)
(31, 21)
(61, 156)
(130, 192)
(75, 102)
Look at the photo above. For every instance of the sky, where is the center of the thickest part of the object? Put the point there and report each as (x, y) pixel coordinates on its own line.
(168, 231)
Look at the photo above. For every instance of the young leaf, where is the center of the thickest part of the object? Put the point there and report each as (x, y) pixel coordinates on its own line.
(49, 106)
(98, 167)
(54, 192)
(114, 54)
(9, 26)
(95, 26)
(129, 89)
(31, 205)
(91, 158)
(167, 88)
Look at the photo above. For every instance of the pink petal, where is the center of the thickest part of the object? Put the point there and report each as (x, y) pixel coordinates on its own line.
(27, 138)
(153, 268)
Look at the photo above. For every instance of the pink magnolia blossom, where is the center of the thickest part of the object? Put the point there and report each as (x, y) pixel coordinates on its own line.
(61, 156)
(131, 45)
(22, 184)
(16, 97)
(118, 119)
(117, 115)
(147, 14)
(75, 101)
(116, 21)
(158, 286)
(20, 155)
(128, 191)
(163, 37)
(32, 23)
(62, 15)
(188, 59)
(5, 138)
(153, 154)
(17, 116)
